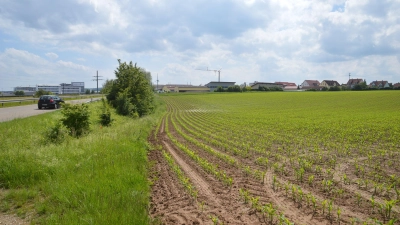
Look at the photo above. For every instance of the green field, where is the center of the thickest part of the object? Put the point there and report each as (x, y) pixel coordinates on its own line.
(339, 150)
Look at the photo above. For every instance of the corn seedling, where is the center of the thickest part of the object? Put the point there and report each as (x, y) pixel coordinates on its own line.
(214, 219)
(311, 180)
(244, 194)
(388, 207)
(314, 203)
(358, 198)
(330, 207)
(373, 203)
(323, 206)
(254, 202)
(338, 212)
(202, 206)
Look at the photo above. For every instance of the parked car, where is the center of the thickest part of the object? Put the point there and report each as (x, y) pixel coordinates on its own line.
(49, 101)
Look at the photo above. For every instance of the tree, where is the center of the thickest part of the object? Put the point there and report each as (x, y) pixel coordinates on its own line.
(42, 92)
(131, 92)
(87, 91)
(334, 88)
(219, 89)
(19, 93)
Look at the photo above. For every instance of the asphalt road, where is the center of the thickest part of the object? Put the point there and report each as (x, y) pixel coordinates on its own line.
(11, 113)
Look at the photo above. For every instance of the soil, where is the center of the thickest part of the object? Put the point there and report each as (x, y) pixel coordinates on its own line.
(6, 219)
(171, 204)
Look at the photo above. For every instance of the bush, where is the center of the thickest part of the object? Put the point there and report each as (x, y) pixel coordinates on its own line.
(105, 116)
(55, 134)
(76, 119)
(42, 92)
(19, 93)
(334, 88)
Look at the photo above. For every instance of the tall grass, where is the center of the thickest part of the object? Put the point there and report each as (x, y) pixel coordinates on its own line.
(100, 178)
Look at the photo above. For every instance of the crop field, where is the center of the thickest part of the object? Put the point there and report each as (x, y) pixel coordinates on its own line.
(277, 158)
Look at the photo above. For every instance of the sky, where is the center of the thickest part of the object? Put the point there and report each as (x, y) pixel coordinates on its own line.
(52, 42)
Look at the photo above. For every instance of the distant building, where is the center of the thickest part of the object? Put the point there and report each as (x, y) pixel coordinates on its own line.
(72, 88)
(353, 82)
(396, 85)
(379, 84)
(329, 83)
(26, 90)
(184, 88)
(257, 85)
(288, 86)
(213, 85)
(310, 84)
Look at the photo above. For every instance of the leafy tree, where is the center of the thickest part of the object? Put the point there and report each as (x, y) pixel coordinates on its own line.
(246, 88)
(219, 89)
(42, 92)
(361, 86)
(131, 92)
(19, 93)
(324, 89)
(92, 92)
(334, 88)
(87, 91)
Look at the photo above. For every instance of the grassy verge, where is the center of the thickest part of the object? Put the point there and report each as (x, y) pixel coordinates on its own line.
(100, 178)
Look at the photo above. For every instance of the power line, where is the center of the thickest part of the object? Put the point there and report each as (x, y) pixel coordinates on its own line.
(97, 80)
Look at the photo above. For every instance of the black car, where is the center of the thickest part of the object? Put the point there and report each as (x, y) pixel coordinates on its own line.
(49, 101)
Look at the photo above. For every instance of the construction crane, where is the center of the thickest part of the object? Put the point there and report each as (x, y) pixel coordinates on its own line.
(215, 71)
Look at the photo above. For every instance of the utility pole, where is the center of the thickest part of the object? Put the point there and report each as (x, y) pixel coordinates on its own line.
(97, 80)
(157, 82)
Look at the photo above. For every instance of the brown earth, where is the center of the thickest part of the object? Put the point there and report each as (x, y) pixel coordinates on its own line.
(171, 204)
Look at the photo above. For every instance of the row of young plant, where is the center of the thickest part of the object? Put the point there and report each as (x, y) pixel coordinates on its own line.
(268, 211)
(247, 170)
(337, 146)
(326, 183)
(185, 181)
(207, 166)
(329, 206)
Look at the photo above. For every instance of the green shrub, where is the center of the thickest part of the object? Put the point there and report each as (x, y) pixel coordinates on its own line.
(55, 134)
(105, 116)
(76, 118)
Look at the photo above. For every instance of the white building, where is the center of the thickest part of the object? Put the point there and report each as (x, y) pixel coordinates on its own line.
(72, 88)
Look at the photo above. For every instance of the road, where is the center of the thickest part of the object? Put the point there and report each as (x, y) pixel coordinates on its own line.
(11, 113)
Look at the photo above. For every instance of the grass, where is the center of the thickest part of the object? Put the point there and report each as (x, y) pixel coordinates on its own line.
(100, 178)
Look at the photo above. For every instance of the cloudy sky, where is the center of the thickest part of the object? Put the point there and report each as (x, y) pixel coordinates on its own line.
(52, 42)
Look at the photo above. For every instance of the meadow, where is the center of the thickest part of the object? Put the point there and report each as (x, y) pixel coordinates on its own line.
(100, 178)
(278, 158)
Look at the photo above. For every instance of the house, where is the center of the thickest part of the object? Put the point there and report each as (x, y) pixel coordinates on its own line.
(396, 85)
(379, 84)
(353, 82)
(287, 86)
(329, 83)
(310, 84)
(213, 85)
(184, 88)
(257, 85)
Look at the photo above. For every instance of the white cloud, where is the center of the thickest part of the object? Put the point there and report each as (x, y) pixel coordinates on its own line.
(52, 55)
(265, 40)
